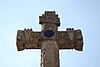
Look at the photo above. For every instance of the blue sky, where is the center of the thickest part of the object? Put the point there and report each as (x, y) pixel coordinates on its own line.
(79, 14)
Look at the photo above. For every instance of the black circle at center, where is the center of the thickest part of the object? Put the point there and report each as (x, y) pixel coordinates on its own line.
(48, 33)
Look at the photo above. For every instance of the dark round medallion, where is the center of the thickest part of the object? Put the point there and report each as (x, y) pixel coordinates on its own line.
(48, 33)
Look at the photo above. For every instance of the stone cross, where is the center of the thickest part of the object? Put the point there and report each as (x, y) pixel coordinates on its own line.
(49, 39)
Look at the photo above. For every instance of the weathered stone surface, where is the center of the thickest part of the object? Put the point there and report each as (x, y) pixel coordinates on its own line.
(70, 39)
(20, 40)
(49, 39)
(49, 54)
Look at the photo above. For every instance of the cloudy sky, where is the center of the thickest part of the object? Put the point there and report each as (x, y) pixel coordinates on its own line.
(79, 14)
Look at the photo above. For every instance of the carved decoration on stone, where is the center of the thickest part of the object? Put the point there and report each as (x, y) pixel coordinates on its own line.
(69, 39)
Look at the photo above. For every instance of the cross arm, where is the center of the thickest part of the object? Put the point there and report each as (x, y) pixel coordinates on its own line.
(27, 39)
(70, 39)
